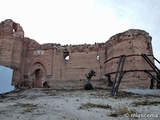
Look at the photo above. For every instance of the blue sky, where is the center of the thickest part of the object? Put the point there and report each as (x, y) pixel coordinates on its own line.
(83, 21)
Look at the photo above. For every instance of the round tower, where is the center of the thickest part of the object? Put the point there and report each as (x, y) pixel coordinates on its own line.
(131, 44)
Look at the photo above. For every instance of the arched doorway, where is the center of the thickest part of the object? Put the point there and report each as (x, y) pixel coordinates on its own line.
(38, 75)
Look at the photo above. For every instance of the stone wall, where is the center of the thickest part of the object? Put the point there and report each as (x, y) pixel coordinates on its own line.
(65, 66)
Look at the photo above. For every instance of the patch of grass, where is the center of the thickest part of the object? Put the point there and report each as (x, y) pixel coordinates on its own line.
(145, 102)
(92, 105)
(121, 111)
(27, 107)
(51, 94)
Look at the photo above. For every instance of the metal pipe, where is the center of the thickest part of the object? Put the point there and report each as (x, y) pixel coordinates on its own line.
(150, 63)
(114, 82)
(116, 89)
(126, 56)
(157, 60)
(120, 66)
(152, 75)
(120, 76)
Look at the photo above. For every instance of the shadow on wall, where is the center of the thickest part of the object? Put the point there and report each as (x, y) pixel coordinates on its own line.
(38, 78)
(5, 79)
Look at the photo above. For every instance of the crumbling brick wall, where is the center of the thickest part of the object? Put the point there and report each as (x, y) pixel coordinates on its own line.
(11, 48)
(62, 66)
(131, 43)
(81, 59)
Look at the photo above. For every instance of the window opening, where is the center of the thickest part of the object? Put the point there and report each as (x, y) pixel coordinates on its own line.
(98, 58)
(66, 55)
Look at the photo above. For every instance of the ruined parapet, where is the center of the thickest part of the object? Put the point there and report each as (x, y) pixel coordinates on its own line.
(31, 44)
(132, 44)
(36, 64)
(11, 48)
(53, 57)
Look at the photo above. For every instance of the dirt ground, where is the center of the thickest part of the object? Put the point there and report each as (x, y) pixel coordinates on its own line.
(49, 104)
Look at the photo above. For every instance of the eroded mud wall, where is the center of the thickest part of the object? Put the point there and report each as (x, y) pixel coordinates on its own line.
(132, 44)
(64, 63)
(11, 48)
(62, 66)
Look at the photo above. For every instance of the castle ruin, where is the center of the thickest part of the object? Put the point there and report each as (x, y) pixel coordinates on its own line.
(65, 66)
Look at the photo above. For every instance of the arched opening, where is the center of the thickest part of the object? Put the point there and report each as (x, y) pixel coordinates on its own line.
(98, 58)
(66, 55)
(66, 58)
(38, 78)
(6, 79)
(45, 85)
(38, 75)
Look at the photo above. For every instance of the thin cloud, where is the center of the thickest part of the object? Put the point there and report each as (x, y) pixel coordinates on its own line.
(82, 21)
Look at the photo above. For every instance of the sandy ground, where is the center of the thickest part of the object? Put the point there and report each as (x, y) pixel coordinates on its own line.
(49, 104)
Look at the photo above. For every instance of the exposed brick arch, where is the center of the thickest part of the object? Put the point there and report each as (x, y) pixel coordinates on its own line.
(38, 74)
(37, 65)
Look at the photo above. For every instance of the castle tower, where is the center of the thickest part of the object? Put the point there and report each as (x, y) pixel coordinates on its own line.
(11, 48)
(132, 44)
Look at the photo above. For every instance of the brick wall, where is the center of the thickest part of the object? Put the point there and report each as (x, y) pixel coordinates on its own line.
(66, 66)
(131, 43)
(11, 48)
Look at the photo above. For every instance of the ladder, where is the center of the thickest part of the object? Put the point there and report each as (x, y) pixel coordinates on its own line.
(118, 76)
